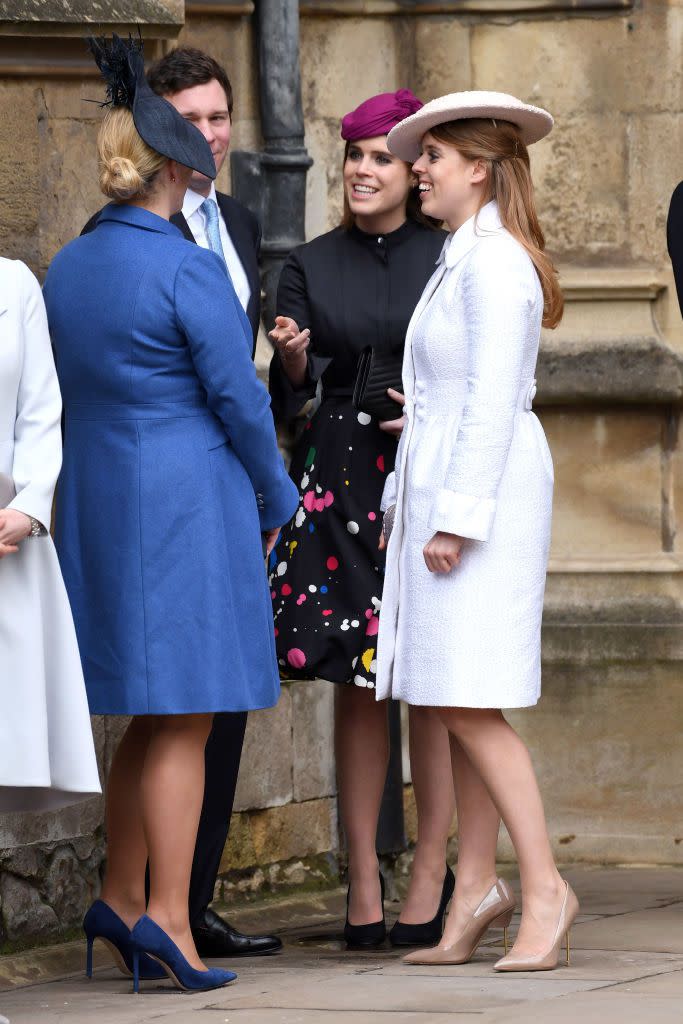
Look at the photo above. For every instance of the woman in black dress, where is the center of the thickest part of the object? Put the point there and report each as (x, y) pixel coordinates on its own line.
(356, 286)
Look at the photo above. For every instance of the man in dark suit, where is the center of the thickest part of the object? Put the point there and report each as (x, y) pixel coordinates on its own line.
(199, 88)
(674, 239)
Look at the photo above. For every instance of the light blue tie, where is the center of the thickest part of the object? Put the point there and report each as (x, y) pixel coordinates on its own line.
(213, 232)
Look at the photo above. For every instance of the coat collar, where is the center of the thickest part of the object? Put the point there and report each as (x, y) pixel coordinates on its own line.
(6, 283)
(179, 220)
(391, 239)
(136, 216)
(241, 238)
(457, 245)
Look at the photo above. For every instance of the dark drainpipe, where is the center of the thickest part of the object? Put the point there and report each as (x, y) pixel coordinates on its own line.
(273, 183)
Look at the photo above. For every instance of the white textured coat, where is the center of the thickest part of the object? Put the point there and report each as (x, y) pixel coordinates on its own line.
(473, 461)
(47, 756)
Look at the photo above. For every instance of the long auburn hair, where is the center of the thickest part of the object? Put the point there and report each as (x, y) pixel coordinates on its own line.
(413, 206)
(509, 182)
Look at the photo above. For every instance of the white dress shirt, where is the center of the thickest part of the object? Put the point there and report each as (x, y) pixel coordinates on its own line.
(197, 223)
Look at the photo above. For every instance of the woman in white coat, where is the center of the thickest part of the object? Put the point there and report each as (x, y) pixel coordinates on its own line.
(47, 756)
(472, 494)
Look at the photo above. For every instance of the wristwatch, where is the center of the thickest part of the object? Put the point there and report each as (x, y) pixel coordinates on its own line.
(37, 529)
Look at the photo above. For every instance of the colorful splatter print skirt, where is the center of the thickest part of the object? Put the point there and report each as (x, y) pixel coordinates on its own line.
(326, 572)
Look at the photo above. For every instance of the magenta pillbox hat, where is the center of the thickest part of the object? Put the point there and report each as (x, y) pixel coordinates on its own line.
(379, 114)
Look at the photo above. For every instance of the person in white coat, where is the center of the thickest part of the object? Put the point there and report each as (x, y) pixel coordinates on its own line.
(47, 755)
(460, 628)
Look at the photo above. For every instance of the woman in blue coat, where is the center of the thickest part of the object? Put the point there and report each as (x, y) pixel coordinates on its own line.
(171, 476)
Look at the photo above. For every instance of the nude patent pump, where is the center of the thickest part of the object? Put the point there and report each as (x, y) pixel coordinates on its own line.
(494, 911)
(547, 961)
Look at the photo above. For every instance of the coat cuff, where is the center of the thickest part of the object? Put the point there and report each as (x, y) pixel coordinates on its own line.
(389, 492)
(462, 514)
(33, 505)
(278, 507)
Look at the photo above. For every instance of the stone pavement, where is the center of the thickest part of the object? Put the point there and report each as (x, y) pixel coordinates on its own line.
(627, 967)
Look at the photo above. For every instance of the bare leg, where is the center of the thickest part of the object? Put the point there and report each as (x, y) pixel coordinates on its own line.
(430, 763)
(478, 824)
(124, 883)
(503, 762)
(172, 790)
(362, 754)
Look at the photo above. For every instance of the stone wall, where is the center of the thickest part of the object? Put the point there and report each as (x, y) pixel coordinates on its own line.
(50, 864)
(610, 391)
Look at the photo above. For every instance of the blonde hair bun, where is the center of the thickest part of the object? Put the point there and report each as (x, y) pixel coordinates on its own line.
(127, 165)
(120, 178)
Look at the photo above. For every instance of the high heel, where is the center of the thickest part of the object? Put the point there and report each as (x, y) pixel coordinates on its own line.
(494, 911)
(148, 938)
(103, 923)
(365, 936)
(428, 932)
(547, 961)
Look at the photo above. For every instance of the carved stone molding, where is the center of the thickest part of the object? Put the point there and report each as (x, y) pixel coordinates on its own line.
(225, 8)
(608, 347)
(44, 38)
(634, 370)
(610, 284)
(354, 8)
(71, 17)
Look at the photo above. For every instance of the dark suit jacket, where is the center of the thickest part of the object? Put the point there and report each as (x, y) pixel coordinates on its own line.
(245, 232)
(674, 239)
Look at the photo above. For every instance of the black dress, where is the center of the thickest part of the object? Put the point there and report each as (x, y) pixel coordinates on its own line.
(352, 290)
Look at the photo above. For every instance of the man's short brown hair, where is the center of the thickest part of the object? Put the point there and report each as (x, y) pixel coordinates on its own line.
(185, 67)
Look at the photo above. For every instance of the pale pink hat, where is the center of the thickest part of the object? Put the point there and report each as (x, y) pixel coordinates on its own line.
(533, 122)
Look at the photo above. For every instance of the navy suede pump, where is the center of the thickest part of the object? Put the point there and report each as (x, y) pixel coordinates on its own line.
(148, 938)
(101, 922)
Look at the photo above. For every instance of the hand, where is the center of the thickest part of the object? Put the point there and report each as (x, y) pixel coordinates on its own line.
(394, 427)
(14, 527)
(270, 537)
(8, 549)
(291, 344)
(442, 552)
(382, 541)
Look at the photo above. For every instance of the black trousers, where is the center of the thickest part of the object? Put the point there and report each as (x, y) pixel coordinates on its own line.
(223, 752)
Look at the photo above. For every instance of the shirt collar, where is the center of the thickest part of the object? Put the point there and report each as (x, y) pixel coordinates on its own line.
(486, 222)
(193, 200)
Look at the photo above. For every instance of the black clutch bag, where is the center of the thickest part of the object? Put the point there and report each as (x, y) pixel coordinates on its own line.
(378, 369)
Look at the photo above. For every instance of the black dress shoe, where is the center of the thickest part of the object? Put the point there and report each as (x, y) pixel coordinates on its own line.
(428, 933)
(214, 937)
(365, 936)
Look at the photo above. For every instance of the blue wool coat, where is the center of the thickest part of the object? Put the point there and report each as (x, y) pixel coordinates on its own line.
(171, 471)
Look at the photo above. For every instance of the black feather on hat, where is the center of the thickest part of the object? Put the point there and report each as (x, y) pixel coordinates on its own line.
(158, 122)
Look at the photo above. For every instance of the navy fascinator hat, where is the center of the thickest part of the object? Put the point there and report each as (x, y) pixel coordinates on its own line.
(157, 121)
